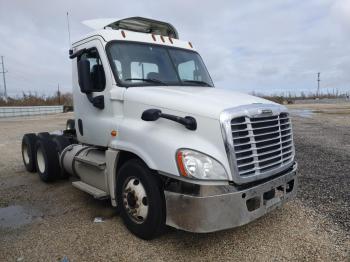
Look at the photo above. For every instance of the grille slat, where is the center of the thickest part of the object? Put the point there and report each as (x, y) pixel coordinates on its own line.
(265, 153)
(260, 141)
(261, 134)
(245, 150)
(262, 144)
(256, 128)
(263, 160)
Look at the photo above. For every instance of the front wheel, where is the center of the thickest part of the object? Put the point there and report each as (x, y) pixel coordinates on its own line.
(140, 199)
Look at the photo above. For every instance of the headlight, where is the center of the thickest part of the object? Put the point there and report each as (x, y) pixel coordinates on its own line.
(197, 165)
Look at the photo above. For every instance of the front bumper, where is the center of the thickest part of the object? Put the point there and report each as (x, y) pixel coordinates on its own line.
(232, 207)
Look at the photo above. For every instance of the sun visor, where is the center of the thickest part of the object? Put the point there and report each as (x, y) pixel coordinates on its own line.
(137, 24)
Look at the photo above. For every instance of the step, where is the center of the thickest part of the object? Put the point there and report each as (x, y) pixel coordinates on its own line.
(99, 164)
(97, 193)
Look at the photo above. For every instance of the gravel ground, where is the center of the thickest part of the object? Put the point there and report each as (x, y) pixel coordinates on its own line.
(53, 221)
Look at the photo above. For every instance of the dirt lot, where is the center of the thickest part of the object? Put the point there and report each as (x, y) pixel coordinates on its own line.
(46, 222)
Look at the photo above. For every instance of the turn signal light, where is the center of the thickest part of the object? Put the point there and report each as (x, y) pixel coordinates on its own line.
(180, 163)
(114, 133)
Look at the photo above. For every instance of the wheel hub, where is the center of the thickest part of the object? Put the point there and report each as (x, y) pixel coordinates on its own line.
(131, 198)
(135, 200)
(41, 160)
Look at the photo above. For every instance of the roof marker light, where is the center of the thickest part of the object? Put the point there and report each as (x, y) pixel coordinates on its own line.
(154, 37)
(190, 44)
(171, 40)
(162, 38)
(123, 34)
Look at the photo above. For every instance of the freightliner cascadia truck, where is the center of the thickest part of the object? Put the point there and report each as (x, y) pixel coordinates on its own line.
(154, 135)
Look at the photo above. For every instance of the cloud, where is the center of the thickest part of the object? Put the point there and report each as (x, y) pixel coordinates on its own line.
(263, 46)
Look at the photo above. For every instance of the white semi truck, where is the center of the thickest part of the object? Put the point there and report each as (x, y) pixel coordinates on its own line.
(152, 134)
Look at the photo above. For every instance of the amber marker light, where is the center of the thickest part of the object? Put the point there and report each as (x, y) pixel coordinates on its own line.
(114, 133)
(190, 44)
(171, 40)
(180, 164)
(123, 34)
(162, 38)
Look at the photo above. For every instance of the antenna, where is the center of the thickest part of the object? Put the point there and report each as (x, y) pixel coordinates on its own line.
(68, 27)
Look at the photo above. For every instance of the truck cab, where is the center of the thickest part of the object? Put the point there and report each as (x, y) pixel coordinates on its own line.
(152, 133)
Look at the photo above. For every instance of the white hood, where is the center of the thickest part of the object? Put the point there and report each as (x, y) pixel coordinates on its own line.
(203, 101)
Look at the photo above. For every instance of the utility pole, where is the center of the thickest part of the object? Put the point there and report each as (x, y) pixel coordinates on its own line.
(3, 72)
(59, 94)
(318, 84)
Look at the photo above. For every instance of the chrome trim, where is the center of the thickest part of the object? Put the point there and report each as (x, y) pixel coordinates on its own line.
(223, 207)
(253, 110)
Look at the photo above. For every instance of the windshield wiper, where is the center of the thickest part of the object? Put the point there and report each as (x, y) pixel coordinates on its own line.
(197, 82)
(150, 80)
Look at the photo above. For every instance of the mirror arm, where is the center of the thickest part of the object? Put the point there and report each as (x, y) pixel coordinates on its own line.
(153, 115)
(76, 54)
(97, 101)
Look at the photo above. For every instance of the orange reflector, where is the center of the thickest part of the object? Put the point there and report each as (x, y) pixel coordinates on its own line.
(123, 34)
(162, 38)
(154, 37)
(171, 40)
(114, 133)
(190, 44)
(180, 163)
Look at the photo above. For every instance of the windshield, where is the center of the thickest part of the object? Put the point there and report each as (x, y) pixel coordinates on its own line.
(136, 64)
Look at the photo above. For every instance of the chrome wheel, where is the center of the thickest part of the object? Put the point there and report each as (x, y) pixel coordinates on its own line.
(41, 160)
(135, 200)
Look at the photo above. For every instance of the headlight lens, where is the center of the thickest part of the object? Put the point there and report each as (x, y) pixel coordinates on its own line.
(197, 165)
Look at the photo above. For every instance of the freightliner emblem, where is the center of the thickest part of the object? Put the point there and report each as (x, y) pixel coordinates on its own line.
(265, 112)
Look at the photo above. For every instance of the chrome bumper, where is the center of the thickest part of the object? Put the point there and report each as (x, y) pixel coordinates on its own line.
(209, 213)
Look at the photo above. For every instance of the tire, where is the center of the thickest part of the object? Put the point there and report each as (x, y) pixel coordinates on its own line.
(28, 152)
(44, 135)
(61, 142)
(47, 164)
(132, 177)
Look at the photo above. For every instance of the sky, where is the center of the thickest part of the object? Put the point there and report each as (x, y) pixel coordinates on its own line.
(269, 46)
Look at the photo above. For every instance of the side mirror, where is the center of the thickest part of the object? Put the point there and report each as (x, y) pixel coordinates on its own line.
(84, 76)
(151, 115)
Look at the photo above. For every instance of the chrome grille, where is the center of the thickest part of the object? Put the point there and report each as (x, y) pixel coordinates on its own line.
(262, 144)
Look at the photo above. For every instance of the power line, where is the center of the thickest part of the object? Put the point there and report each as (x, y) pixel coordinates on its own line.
(3, 76)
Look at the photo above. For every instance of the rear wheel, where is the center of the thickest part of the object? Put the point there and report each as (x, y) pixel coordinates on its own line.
(47, 163)
(140, 199)
(28, 151)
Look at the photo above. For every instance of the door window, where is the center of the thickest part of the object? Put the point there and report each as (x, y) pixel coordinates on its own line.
(97, 74)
